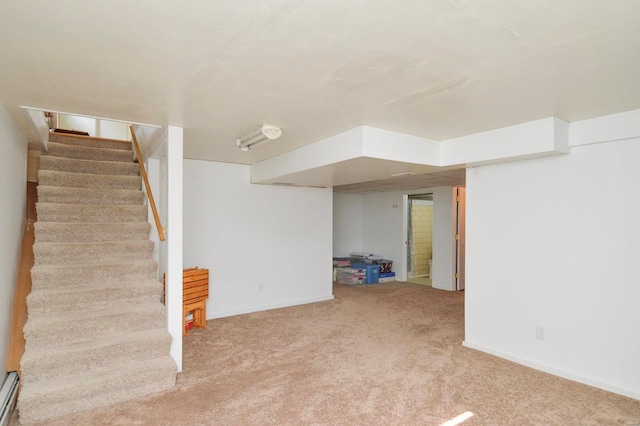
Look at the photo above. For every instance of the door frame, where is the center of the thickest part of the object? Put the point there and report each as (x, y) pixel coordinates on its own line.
(409, 198)
(444, 232)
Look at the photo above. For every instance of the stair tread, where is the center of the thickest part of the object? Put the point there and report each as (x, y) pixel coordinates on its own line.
(115, 191)
(91, 196)
(48, 389)
(64, 206)
(91, 141)
(135, 336)
(94, 224)
(93, 356)
(88, 175)
(87, 231)
(104, 244)
(57, 318)
(91, 213)
(88, 180)
(57, 149)
(83, 392)
(76, 165)
(87, 252)
(107, 272)
(120, 284)
(98, 263)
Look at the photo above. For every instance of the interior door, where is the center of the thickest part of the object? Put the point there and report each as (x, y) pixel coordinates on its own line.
(460, 235)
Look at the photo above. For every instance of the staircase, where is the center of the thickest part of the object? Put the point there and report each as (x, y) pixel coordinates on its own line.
(95, 333)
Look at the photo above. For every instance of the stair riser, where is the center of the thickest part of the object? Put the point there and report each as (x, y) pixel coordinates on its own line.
(91, 300)
(85, 180)
(79, 330)
(50, 277)
(86, 153)
(41, 405)
(61, 164)
(90, 232)
(90, 214)
(58, 254)
(59, 195)
(95, 359)
(89, 142)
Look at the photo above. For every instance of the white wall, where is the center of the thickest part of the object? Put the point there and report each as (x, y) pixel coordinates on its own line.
(383, 229)
(347, 224)
(95, 126)
(554, 243)
(112, 130)
(13, 190)
(382, 226)
(81, 124)
(164, 169)
(265, 246)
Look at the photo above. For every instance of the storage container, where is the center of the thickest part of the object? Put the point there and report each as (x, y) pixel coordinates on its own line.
(351, 276)
(385, 265)
(372, 272)
(386, 277)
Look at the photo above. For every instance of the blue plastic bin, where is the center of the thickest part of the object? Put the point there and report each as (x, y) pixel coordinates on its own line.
(373, 272)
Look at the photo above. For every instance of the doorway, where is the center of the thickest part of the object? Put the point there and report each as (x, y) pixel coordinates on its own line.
(420, 238)
(440, 261)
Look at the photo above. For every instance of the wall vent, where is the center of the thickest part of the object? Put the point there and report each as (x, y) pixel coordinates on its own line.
(8, 397)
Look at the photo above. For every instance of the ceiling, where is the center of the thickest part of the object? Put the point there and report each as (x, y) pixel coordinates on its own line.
(437, 69)
(406, 182)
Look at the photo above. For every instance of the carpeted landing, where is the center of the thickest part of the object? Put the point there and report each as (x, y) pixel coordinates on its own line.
(387, 354)
(95, 333)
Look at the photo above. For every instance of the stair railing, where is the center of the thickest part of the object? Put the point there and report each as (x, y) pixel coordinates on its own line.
(143, 173)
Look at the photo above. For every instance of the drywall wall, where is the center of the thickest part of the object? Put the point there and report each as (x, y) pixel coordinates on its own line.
(265, 246)
(13, 190)
(552, 249)
(383, 228)
(347, 224)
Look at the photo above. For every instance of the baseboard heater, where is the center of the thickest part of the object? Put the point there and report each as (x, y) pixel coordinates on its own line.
(8, 397)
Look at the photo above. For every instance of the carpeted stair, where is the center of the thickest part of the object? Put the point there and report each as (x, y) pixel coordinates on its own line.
(96, 333)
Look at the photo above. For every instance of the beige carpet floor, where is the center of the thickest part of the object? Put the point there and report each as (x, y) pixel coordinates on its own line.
(386, 354)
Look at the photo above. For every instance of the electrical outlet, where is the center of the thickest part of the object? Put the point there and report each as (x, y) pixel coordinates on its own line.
(539, 332)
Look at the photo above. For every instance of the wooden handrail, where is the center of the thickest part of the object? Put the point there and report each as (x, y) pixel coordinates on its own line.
(143, 173)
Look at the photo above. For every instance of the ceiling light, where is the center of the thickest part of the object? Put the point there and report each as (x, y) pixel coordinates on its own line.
(258, 136)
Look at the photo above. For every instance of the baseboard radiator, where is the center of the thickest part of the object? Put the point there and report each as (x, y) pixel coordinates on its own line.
(8, 397)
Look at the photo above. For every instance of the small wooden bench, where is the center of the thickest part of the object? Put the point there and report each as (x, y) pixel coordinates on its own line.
(195, 292)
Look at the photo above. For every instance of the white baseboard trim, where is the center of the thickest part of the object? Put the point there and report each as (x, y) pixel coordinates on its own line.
(555, 371)
(250, 309)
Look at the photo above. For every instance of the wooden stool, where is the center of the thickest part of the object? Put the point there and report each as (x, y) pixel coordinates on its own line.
(195, 292)
(199, 311)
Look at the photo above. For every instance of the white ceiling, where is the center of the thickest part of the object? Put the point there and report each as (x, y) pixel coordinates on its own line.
(436, 68)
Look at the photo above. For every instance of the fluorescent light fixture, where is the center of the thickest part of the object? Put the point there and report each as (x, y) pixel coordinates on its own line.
(258, 136)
